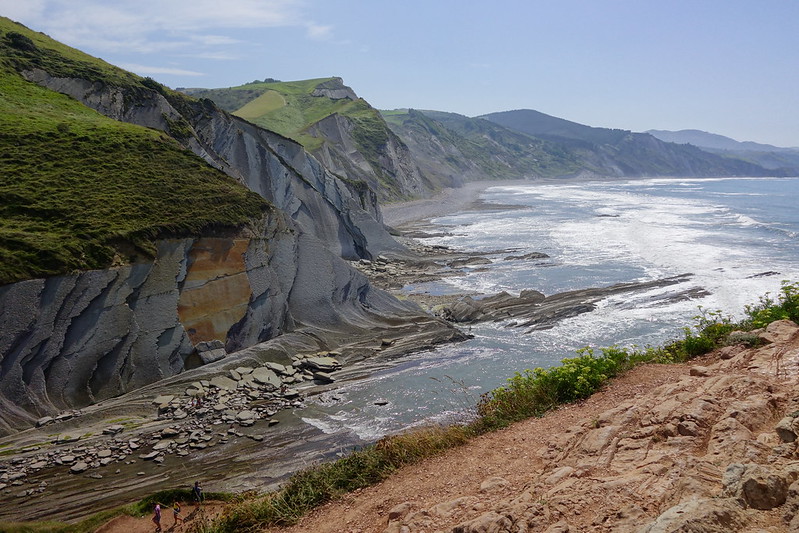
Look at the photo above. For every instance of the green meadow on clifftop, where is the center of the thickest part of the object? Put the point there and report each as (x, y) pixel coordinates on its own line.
(82, 191)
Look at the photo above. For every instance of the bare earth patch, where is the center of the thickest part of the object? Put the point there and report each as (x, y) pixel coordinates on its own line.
(690, 447)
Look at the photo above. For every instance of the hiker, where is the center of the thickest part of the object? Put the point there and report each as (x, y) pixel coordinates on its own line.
(198, 492)
(176, 512)
(157, 517)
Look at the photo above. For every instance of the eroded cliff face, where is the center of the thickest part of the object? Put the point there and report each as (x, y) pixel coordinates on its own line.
(70, 341)
(388, 167)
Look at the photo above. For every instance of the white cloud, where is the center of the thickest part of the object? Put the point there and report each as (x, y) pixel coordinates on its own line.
(145, 70)
(147, 26)
(318, 32)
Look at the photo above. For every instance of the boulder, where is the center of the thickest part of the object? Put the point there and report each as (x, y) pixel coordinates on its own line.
(787, 429)
(212, 356)
(78, 468)
(709, 515)
(246, 415)
(755, 486)
(43, 421)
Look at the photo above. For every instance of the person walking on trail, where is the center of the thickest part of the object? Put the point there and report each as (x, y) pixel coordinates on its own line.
(176, 513)
(157, 517)
(198, 492)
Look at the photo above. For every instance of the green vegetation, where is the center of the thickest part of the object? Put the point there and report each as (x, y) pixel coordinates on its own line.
(81, 191)
(768, 309)
(141, 508)
(290, 109)
(527, 394)
(493, 150)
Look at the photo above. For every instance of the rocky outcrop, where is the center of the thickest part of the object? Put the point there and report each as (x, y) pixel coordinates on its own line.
(382, 161)
(70, 341)
(534, 310)
(335, 90)
(712, 452)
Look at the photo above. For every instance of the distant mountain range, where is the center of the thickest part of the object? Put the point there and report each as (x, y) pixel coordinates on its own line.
(409, 153)
(704, 139)
(765, 155)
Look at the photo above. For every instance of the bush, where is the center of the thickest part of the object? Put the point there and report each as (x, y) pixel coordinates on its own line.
(767, 310)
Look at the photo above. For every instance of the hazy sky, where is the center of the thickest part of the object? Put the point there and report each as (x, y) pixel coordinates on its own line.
(725, 66)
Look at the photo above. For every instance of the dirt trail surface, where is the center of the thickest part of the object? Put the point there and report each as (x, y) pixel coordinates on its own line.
(704, 447)
(191, 516)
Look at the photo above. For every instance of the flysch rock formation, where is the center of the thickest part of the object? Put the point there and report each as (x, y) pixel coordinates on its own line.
(68, 341)
(715, 451)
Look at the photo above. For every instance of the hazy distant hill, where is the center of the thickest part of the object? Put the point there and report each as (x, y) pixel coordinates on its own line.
(704, 139)
(613, 152)
(452, 148)
(766, 155)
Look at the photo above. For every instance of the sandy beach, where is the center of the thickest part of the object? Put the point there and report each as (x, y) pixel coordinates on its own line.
(446, 202)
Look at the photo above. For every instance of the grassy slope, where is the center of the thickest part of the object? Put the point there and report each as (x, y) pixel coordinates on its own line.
(78, 188)
(289, 109)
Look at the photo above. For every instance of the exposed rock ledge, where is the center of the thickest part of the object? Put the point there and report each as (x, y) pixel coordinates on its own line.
(705, 447)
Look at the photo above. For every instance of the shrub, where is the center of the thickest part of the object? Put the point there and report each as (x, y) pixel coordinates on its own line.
(767, 310)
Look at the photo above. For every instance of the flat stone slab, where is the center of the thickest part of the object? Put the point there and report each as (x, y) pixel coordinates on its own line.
(322, 364)
(164, 444)
(277, 367)
(266, 377)
(163, 399)
(246, 415)
(78, 468)
(224, 383)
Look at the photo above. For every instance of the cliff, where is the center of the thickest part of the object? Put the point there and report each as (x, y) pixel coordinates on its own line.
(73, 339)
(340, 129)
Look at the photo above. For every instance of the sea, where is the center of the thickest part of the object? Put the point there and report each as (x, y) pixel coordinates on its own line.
(738, 238)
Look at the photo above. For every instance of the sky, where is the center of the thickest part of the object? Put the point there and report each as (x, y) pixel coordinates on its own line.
(725, 66)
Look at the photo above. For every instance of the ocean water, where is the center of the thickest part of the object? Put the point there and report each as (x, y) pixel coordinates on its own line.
(737, 237)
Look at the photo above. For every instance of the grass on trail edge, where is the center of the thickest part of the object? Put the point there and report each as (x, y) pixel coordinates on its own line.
(143, 507)
(528, 394)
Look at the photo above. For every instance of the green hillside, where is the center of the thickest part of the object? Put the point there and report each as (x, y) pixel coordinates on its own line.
(291, 109)
(81, 191)
(473, 148)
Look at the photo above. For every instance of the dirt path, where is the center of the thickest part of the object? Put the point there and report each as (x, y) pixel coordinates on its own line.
(509, 454)
(192, 515)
